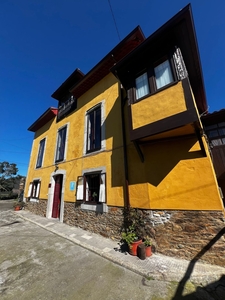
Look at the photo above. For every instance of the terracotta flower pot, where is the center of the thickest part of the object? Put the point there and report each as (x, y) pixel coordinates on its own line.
(148, 251)
(133, 247)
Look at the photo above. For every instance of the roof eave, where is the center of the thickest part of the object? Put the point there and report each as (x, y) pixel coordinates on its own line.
(48, 115)
(184, 14)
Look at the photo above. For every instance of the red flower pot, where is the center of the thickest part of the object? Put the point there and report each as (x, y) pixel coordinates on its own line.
(148, 251)
(133, 247)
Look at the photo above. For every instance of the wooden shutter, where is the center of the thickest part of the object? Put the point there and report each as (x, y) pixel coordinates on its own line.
(80, 188)
(102, 188)
(30, 189)
(86, 189)
(38, 190)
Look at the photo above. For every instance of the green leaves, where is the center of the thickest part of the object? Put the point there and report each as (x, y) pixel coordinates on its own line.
(7, 169)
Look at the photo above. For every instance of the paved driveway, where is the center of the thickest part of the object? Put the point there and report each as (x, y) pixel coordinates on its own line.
(6, 205)
(37, 264)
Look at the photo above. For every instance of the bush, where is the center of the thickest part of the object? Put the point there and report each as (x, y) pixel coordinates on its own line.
(8, 195)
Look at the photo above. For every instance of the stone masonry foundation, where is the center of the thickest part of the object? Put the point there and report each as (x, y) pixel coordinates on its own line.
(192, 235)
(38, 208)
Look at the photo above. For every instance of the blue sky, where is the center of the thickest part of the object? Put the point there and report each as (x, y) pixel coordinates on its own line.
(44, 41)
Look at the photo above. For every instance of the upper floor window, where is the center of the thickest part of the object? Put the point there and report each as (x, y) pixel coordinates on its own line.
(163, 74)
(142, 86)
(61, 144)
(216, 133)
(66, 107)
(40, 153)
(153, 79)
(93, 129)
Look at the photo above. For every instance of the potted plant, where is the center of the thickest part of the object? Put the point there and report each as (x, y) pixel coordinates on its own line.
(148, 246)
(18, 205)
(131, 239)
(94, 196)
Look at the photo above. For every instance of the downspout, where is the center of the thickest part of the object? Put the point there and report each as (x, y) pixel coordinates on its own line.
(127, 195)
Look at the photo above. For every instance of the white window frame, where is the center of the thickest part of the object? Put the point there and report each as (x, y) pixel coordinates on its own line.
(101, 206)
(103, 142)
(66, 143)
(81, 180)
(162, 79)
(42, 162)
(142, 86)
(33, 194)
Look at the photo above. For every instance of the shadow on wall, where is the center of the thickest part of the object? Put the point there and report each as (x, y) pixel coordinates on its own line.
(160, 160)
(215, 289)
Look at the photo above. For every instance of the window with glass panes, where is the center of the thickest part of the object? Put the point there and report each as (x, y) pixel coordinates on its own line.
(93, 130)
(61, 143)
(40, 153)
(216, 133)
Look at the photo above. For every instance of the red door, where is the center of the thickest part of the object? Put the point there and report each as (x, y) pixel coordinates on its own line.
(57, 196)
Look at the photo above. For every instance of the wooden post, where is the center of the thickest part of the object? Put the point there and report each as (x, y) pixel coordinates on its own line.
(141, 251)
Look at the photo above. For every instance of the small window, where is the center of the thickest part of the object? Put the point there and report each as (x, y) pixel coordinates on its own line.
(61, 143)
(163, 74)
(40, 153)
(94, 130)
(91, 188)
(216, 133)
(142, 86)
(34, 189)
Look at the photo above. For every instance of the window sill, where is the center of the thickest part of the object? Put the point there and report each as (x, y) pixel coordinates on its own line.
(94, 152)
(101, 207)
(34, 200)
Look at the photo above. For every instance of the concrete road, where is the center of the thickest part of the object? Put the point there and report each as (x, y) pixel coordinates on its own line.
(36, 264)
(6, 205)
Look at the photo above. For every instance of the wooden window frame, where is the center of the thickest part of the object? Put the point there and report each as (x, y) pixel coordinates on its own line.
(91, 136)
(81, 190)
(40, 156)
(151, 79)
(34, 187)
(60, 157)
(219, 136)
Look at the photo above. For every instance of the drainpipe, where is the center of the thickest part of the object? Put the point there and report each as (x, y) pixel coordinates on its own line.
(127, 195)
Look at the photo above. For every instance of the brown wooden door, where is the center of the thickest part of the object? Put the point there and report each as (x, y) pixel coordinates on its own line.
(57, 196)
(218, 153)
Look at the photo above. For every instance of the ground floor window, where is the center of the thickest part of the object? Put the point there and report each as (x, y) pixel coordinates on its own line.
(91, 187)
(34, 189)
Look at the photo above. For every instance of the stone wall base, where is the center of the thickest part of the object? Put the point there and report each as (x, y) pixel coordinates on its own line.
(192, 235)
(107, 224)
(38, 208)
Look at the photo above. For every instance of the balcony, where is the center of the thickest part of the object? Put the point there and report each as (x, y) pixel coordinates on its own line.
(169, 113)
(66, 108)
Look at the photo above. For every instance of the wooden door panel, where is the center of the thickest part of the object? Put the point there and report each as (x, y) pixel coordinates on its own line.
(57, 197)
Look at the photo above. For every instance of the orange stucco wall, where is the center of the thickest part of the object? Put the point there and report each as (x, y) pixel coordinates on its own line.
(111, 157)
(167, 103)
(174, 175)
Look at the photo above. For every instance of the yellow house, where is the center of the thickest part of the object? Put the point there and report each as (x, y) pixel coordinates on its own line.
(127, 134)
(74, 144)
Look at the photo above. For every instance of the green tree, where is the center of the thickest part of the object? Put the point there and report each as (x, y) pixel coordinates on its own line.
(8, 175)
(7, 169)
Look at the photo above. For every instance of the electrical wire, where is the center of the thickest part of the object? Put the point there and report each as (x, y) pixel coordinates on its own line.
(114, 20)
